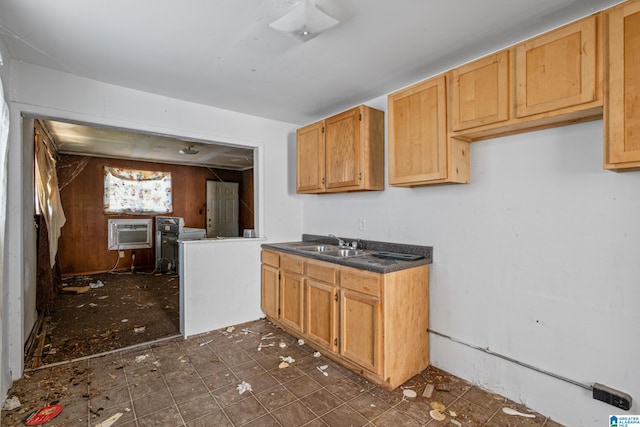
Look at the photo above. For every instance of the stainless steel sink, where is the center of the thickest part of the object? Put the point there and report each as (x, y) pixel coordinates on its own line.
(319, 248)
(342, 253)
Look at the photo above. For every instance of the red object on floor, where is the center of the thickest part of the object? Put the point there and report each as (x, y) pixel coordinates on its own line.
(43, 415)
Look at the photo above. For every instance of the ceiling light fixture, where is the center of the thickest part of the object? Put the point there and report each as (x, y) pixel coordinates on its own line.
(188, 150)
(304, 21)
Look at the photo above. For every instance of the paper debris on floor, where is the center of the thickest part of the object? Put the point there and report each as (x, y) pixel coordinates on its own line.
(322, 370)
(437, 415)
(110, 421)
(141, 358)
(202, 344)
(428, 391)
(244, 386)
(317, 354)
(438, 406)
(231, 329)
(268, 336)
(287, 359)
(282, 344)
(457, 423)
(407, 392)
(96, 285)
(75, 289)
(139, 329)
(11, 403)
(261, 346)
(300, 341)
(283, 365)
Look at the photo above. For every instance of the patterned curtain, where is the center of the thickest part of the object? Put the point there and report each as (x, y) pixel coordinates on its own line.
(129, 191)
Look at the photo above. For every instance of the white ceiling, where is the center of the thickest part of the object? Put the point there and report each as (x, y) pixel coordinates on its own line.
(222, 52)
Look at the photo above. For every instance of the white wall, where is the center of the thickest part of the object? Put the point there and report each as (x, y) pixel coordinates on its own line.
(536, 259)
(5, 376)
(42, 92)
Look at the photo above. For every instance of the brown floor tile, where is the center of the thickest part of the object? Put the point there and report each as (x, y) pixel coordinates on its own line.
(276, 398)
(470, 414)
(166, 417)
(194, 382)
(345, 416)
(151, 403)
(217, 419)
(485, 399)
(293, 415)
(369, 406)
(197, 406)
(395, 418)
(321, 402)
(302, 386)
(244, 411)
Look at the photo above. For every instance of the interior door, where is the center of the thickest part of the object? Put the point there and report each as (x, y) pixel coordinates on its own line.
(222, 209)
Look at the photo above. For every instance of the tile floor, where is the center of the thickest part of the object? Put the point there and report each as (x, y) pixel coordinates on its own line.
(195, 382)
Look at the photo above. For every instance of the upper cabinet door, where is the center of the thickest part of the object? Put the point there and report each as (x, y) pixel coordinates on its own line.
(418, 133)
(480, 92)
(622, 109)
(557, 69)
(343, 149)
(310, 159)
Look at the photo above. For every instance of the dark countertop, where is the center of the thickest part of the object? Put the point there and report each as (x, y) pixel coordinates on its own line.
(364, 262)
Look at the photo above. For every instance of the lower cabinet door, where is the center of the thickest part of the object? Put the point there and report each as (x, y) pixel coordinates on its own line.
(361, 329)
(270, 291)
(321, 314)
(291, 300)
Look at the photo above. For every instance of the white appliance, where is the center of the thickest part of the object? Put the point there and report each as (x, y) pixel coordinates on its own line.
(188, 233)
(129, 234)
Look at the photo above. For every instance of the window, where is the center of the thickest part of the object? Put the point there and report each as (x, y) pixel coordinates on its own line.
(130, 191)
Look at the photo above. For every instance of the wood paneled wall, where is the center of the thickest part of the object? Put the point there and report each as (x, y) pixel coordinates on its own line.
(83, 243)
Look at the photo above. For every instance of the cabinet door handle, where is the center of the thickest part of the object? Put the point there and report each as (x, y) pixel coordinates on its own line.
(335, 297)
(323, 180)
(335, 342)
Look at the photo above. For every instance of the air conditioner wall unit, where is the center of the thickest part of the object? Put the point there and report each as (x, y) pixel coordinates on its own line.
(129, 234)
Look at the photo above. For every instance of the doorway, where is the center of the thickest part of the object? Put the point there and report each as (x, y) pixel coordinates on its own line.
(223, 217)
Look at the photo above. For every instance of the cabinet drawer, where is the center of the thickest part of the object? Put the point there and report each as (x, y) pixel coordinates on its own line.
(362, 281)
(271, 258)
(292, 263)
(322, 271)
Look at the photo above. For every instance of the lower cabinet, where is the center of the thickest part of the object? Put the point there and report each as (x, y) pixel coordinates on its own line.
(374, 324)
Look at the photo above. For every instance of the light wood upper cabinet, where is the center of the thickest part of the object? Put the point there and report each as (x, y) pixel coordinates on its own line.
(480, 92)
(622, 107)
(310, 158)
(557, 69)
(420, 150)
(342, 153)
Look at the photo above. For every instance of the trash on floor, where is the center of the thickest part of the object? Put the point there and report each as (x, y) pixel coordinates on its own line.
(43, 415)
(438, 406)
(300, 341)
(110, 421)
(456, 423)
(282, 344)
(124, 320)
(96, 285)
(244, 386)
(202, 344)
(269, 336)
(231, 329)
(510, 411)
(248, 331)
(139, 329)
(407, 392)
(141, 358)
(437, 415)
(322, 370)
(317, 354)
(283, 365)
(76, 289)
(11, 403)
(442, 387)
(287, 359)
(428, 391)
(261, 346)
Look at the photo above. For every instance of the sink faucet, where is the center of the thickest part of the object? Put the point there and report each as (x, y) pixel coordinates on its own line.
(340, 241)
